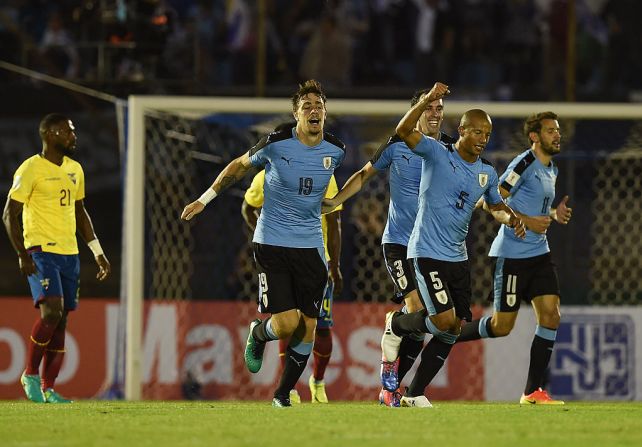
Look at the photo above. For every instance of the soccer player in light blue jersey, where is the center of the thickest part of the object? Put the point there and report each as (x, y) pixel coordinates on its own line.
(288, 240)
(523, 268)
(404, 167)
(452, 181)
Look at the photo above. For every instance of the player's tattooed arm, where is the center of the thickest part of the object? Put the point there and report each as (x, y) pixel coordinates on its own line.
(232, 173)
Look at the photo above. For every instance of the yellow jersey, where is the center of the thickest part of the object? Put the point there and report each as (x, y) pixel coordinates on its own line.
(254, 197)
(49, 193)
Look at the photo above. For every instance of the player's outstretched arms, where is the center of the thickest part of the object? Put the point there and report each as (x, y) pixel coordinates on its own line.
(562, 214)
(352, 186)
(11, 220)
(233, 172)
(406, 129)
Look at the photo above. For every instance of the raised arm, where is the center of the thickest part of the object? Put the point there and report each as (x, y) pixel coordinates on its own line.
(333, 220)
(352, 186)
(86, 231)
(232, 173)
(406, 129)
(11, 219)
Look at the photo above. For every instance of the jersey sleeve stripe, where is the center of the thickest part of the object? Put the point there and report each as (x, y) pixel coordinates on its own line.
(393, 139)
(513, 177)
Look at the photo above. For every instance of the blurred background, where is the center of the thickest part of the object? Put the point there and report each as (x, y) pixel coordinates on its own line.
(84, 58)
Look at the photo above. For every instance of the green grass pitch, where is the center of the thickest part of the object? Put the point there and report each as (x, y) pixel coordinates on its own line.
(257, 424)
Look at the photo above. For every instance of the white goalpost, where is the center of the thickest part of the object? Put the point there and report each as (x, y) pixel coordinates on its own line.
(136, 158)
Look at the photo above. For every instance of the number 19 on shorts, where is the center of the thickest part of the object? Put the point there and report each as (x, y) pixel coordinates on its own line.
(263, 288)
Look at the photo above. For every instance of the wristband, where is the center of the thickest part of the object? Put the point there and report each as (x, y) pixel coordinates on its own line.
(95, 247)
(207, 196)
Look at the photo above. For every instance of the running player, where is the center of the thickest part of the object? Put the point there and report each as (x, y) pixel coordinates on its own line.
(331, 227)
(452, 182)
(523, 268)
(288, 241)
(405, 174)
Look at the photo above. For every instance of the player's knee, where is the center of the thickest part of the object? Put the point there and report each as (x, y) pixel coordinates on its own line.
(502, 329)
(445, 323)
(285, 325)
(52, 315)
(413, 303)
(550, 319)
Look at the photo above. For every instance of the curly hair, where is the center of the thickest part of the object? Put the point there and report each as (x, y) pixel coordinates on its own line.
(534, 123)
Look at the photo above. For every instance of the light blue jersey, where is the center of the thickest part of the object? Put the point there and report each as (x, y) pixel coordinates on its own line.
(405, 176)
(296, 179)
(532, 188)
(450, 187)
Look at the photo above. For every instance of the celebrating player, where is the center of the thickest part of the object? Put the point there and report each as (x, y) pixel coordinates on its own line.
(523, 269)
(452, 182)
(288, 240)
(331, 227)
(405, 174)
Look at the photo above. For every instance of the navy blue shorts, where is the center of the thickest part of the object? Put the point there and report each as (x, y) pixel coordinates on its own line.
(325, 320)
(56, 276)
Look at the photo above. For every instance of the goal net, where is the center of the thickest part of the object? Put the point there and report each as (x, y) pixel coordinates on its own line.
(189, 288)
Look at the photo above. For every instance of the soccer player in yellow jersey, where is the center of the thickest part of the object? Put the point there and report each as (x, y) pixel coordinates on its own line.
(48, 190)
(331, 227)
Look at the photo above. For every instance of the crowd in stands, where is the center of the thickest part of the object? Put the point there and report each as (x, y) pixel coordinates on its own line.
(490, 49)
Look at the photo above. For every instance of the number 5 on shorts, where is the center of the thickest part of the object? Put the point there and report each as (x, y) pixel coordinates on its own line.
(438, 287)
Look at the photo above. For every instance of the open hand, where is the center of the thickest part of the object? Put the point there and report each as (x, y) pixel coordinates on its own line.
(563, 212)
(192, 210)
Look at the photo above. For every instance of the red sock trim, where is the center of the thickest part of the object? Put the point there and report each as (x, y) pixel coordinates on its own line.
(41, 334)
(322, 351)
(53, 357)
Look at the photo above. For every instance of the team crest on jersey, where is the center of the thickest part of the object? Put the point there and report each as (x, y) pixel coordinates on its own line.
(72, 177)
(327, 162)
(483, 180)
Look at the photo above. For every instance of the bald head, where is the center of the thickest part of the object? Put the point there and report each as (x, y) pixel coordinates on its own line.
(474, 117)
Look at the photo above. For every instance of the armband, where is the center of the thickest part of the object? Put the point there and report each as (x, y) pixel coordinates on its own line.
(95, 247)
(207, 196)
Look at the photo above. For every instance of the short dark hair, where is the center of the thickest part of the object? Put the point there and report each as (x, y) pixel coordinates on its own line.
(51, 120)
(534, 122)
(417, 96)
(309, 86)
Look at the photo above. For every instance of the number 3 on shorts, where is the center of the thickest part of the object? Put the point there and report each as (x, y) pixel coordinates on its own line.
(438, 286)
(263, 288)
